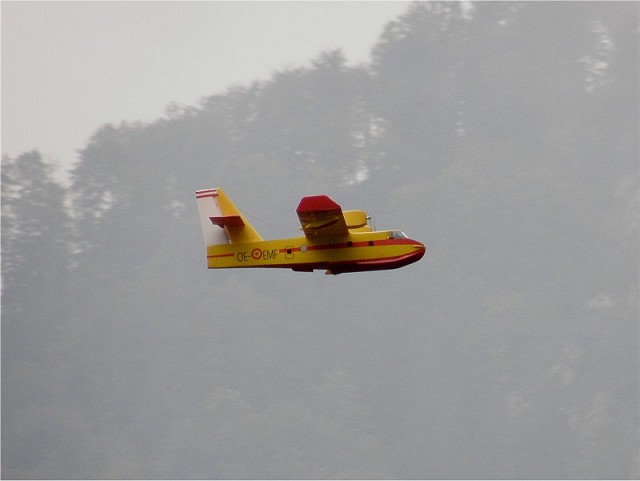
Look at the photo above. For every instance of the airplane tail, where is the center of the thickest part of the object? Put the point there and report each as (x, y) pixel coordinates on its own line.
(221, 221)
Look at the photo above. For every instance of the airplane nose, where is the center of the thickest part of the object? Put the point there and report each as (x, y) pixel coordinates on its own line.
(418, 245)
(420, 250)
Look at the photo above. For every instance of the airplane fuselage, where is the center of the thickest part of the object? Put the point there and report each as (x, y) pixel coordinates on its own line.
(358, 251)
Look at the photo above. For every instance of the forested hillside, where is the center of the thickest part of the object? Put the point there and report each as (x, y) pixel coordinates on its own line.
(503, 136)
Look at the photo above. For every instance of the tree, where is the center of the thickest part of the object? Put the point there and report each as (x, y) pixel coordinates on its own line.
(35, 224)
(37, 241)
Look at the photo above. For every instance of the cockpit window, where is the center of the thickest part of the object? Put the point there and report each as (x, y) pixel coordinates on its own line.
(396, 234)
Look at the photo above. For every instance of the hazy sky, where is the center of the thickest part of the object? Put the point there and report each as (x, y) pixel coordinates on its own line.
(69, 67)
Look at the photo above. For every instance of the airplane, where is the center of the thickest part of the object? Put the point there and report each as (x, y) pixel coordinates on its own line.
(334, 240)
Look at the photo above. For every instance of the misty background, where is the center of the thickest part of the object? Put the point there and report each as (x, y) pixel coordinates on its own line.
(71, 66)
(502, 135)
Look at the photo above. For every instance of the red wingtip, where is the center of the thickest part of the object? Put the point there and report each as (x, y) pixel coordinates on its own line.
(315, 203)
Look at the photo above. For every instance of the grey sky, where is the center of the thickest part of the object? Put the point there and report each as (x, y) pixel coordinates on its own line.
(69, 67)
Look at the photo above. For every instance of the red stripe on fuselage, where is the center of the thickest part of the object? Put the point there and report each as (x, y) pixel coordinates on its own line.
(339, 267)
(347, 245)
(230, 254)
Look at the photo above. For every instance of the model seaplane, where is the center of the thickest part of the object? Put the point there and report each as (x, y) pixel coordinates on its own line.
(334, 240)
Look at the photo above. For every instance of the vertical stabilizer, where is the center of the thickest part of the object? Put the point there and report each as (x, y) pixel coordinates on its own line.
(208, 208)
(221, 221)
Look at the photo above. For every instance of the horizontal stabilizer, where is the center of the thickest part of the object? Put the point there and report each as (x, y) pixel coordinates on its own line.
(227, 221)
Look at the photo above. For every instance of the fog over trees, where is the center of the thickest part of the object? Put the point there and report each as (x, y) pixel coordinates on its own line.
(503, 136)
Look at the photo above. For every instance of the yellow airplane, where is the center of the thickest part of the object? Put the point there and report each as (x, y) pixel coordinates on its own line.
(334, 240)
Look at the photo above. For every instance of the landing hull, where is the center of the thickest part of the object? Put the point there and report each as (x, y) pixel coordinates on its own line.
(364, 266)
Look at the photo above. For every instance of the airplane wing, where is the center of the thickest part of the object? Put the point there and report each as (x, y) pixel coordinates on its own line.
(321, 217)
